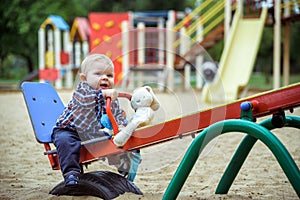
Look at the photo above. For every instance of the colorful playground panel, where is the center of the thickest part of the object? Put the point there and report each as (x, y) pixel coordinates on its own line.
(105, 38)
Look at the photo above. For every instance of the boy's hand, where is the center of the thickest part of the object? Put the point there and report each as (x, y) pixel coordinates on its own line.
(112, 93)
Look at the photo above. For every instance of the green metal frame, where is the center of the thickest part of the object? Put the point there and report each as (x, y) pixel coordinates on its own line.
(242, 152)
(255, 132)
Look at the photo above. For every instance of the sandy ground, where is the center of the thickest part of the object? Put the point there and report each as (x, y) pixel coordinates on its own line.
(26, 174)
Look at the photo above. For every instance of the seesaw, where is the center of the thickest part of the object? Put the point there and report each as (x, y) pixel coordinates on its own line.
(44, 106)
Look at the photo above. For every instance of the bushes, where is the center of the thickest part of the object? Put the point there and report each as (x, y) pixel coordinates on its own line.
(13, 67)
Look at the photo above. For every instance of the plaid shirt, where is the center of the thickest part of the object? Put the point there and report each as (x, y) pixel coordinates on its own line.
(84, 111)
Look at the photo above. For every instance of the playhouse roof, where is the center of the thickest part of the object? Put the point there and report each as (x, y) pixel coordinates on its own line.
(57, 22)
(81, 25)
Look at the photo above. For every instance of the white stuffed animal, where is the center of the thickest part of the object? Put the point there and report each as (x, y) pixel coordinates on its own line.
(144, 102)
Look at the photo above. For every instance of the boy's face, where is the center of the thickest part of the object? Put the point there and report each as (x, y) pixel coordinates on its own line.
(99, 76)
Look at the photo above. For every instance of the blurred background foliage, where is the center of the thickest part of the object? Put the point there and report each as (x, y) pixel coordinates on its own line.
(21, 19)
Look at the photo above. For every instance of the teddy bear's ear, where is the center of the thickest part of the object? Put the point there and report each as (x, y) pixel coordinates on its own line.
(155, 103)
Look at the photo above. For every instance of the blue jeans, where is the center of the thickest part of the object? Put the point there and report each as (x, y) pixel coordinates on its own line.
(68, 145)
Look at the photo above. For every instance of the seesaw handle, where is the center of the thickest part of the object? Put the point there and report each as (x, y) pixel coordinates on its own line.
(110, 114)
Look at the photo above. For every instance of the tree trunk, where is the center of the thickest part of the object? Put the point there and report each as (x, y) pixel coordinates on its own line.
(30, 66)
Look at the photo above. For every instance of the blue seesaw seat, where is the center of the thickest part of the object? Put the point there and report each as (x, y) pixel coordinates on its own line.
(44, 107)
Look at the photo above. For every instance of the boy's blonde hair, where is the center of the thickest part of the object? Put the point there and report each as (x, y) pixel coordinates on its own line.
(93, 58)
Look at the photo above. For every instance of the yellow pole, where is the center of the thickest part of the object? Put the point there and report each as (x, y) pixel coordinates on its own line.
(277, 49)
(286, 54)
(240, 6)
(227, 11)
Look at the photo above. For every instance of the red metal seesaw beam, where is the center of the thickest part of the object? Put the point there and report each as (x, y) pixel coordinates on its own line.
(264, 104)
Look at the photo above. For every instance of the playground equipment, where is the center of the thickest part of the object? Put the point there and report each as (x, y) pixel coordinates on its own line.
(125, 38)
(41, 97)
(105, 37)
(44, 106)
(255, 132)
(155, 50)
(159, 43)
(205, 30)
(143, 45)
(104, 33)
(54, 56)
(238, 58)
(79, 36)
(214, 26)
(143, 51)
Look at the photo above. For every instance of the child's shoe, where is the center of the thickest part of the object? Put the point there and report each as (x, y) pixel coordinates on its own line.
(71, 178)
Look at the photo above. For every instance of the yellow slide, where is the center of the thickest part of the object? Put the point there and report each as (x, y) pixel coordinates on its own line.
(238, 59)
